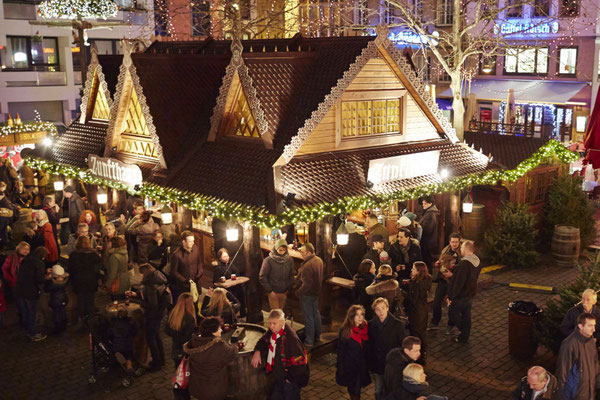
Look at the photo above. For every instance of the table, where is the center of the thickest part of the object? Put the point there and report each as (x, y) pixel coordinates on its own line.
(111, 310)
(342, 282)
(229, 283)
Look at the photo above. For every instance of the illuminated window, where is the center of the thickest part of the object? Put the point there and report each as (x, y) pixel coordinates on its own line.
(135, 124)
(98, 101)
(567, 61)
(243, 122)
(370, 117)
(526, 61)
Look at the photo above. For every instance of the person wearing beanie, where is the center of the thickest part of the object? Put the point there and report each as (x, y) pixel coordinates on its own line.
(75, 206)
(209, 356)
(409, 221)
(56, 285)
(375, 251)
(277, 274)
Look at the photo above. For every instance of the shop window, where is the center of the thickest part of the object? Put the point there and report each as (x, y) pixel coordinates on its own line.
(370, 117)
(107, 46)
(567, 61)
(445, 12)
(526, 61)
(569, 8)
(200, 18)
(31, 53)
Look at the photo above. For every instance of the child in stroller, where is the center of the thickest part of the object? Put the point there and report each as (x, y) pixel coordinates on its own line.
(121, 333)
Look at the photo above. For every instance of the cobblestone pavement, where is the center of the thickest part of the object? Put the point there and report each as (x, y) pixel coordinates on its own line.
(58, 367)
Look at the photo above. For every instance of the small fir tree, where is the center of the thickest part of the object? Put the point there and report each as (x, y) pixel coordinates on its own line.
(512, 239)
(568, 204)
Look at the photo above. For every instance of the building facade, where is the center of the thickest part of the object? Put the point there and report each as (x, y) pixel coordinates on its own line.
(40, 67)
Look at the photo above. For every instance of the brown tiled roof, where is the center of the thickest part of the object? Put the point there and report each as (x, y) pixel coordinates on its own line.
(180, 91)
(111, 65)
(73, 146)
(330, 177)
(508, 150)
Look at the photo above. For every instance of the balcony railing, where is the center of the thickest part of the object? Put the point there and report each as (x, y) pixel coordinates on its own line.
(34, 78)
(502, 128)
(19, 10)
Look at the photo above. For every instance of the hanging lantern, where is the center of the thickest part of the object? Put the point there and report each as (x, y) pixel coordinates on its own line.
(467, 205)
(342, 235)
(166, 214)
(232, 232)
(102, 196)
(59, 185)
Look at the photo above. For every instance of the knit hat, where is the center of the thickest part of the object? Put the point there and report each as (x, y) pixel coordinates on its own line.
(69, 189)
(57, 270)
(404, 221)
(411, 216)
(280, 243)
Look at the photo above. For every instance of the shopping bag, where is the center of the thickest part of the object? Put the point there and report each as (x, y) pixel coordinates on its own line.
(182, 375)
(194, 291)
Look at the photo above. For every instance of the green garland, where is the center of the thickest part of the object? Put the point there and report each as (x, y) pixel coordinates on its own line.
(28, 127)
(259, 216)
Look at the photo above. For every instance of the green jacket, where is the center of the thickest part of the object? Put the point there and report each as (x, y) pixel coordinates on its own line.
(116, 265)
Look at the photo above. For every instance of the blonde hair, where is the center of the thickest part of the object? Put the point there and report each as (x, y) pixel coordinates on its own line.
(591, 292)
(385, 270)
(414, 371)
(217, 301)
(185, 303)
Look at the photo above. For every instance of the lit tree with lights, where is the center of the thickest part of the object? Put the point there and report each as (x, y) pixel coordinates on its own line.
(80, 13)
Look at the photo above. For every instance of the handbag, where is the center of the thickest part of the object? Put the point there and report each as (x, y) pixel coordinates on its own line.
(114, 287)
(182, 375)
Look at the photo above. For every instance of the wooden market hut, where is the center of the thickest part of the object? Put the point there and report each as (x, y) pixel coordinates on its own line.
(237, 130)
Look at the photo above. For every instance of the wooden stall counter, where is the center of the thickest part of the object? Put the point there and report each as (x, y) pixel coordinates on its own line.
(232, 282)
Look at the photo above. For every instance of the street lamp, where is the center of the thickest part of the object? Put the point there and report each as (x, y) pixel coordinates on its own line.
(342, 235)
(166, 214)
(232, 232)
(467, 205)
(102, 196)
(59, 185)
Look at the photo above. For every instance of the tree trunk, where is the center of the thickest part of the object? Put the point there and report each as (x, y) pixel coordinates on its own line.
(82, 55)
(458, 106)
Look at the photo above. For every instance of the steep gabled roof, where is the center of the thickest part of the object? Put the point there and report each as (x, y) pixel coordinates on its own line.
(73, 146)
(508, 150)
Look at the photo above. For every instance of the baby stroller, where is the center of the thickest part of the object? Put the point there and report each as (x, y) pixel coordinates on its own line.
(103, 356)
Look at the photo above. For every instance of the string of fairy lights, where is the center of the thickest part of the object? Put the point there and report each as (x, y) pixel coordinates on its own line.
(259, 216)
(77, 9)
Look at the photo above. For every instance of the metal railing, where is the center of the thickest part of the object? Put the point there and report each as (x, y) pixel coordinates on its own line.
(502, 128)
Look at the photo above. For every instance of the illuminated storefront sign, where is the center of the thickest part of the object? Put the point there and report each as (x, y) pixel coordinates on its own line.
(115, 170)
(526, 27)
(407, 36)
(406, 166)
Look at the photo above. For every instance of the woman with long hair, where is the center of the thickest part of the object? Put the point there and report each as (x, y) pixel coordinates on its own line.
(181, 325)
(386, 286)
(226, 268)
(363, 278)
(52, 209)
(352, 370)
(88, 217)
(416, 302)
(84, 267)
(219, 304)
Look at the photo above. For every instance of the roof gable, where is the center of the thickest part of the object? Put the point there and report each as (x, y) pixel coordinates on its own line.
(95, 90)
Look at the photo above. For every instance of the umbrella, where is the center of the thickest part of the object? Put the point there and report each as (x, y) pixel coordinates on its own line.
(592, 136)
(509, 113)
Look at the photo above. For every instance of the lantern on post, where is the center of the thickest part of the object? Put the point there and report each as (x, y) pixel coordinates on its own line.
(232, 232)
(342, 235)
(102, 196)
(166, 214)
(467, 205)
(59, 185)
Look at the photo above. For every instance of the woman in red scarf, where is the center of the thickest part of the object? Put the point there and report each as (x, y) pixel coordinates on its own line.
(352, 370)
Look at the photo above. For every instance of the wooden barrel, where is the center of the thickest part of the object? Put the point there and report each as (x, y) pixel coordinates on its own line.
(18, 229)
(565, 245)
(473, 223)
(245, 381)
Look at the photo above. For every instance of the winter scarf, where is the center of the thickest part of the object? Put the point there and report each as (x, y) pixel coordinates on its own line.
(279, 258)
(360, 333)
(272, 347)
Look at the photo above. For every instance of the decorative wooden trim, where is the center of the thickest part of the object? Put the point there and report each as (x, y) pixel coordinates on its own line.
(237, 66)
(128, 71)
(94, 67)
(409, 78)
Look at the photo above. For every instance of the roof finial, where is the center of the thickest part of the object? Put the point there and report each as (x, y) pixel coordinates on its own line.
(382, 32)
(236, 52)
(128, 46)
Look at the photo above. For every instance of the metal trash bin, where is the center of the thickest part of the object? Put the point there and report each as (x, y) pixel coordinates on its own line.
(522, 315)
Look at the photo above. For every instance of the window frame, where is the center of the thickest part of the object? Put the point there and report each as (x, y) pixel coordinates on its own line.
(31, 66)
(558, 71)
(535, 62)
(399, 94)
(445, 8)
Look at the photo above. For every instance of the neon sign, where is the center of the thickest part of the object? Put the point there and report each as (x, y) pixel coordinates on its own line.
(526, 27)
(406, 36)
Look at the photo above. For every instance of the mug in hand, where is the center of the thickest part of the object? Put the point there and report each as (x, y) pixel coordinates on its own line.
(222, 279)
(233, 277)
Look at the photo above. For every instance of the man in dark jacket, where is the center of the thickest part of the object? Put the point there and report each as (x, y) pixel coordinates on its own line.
(375, 228)
(310, 279)
(539, 384)
(395, 362)
(429, 238)
(386, 332)
(285, 358)
(186, 265)
(75, 204)
(155, 300)
(449, 257)
(404, 253)
(30, 278)
(587, 305)
(375, 251)
(461, 291)
(577, 368)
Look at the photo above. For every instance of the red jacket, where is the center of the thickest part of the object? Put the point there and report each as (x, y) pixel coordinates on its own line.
(49, 241)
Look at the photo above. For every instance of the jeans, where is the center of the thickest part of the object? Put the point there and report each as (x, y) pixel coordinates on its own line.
(155, 344)
(460, 313)
(284, 390)
(28, 309)
(85, 303)
(379, 386)
(312, 318)
(440, 293)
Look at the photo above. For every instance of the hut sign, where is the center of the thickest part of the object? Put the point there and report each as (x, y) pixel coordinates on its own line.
(407, 166)
(115, 170)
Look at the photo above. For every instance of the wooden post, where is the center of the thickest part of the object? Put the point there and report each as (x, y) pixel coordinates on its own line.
(253, 260)
(324, 249)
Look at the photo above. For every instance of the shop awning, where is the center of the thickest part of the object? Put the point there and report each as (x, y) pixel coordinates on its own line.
(539, 91)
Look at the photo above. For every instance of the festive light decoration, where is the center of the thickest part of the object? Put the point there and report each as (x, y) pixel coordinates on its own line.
(77, 9)
(259, 216)
(28, 127)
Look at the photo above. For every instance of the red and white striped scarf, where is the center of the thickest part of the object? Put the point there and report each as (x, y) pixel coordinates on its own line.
(272, 346)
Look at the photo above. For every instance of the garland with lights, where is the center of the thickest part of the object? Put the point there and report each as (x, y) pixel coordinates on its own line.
(29, 127)
(77, 9)
(258, 216)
